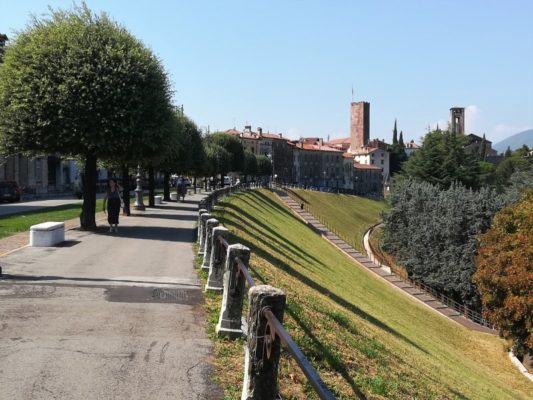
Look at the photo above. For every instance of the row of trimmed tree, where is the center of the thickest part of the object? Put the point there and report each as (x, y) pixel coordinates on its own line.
(79, 85)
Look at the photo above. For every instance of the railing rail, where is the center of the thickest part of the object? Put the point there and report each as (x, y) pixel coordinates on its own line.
(235, 275)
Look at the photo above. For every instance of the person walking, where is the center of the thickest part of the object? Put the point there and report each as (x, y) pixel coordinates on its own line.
(114, 203)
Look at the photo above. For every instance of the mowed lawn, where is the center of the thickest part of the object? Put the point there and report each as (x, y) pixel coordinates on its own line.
(21, 222)
(349, 216)
(365, 337)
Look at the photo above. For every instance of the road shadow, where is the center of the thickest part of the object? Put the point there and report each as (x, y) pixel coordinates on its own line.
(5, 278)
(176, 217)
(153, 233)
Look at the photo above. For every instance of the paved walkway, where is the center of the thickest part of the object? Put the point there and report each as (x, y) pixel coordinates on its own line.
(108, 316)
(378, 270)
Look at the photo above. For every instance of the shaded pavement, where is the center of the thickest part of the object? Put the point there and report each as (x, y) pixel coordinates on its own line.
(108, 316)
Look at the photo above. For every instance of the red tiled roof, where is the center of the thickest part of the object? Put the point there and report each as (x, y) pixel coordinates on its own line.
(316, 147)
(339, 141)
(348, 155)
(357, 165)
(232, 132)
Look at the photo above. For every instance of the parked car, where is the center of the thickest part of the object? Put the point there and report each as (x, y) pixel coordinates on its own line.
(9, 191)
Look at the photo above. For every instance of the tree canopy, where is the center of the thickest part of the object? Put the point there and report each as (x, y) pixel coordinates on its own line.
(79, 84)
(433, 233)
(442, 160)
(504, 273)
(234, 148)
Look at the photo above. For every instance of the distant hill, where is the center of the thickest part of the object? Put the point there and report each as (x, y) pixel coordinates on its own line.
(515, 141)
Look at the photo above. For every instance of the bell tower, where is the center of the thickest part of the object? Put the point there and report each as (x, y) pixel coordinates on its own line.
(457, 117)
(359, 125)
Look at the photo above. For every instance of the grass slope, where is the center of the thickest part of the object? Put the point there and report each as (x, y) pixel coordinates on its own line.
(21, 222)
(364, 337)
(349, 216)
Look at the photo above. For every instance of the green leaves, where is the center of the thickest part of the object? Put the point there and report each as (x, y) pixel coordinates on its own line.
(76, 83)
(433, 233)
(442, 161)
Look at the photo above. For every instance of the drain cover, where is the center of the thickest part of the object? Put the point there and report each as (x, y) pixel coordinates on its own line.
(136, 294)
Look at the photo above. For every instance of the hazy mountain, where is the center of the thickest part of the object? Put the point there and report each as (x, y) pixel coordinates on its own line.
(515, 142)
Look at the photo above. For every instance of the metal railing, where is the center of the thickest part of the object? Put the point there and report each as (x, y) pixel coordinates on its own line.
(236, 274)
(462, 309)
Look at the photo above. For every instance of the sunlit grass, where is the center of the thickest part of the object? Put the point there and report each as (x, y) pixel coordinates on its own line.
(21, 222)
(362, 335)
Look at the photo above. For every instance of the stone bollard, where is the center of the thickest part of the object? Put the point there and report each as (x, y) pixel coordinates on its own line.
(215, 280)
(229, 322)
(202, 204)
(209, 225)
(263, 345)
(203, 219)
(200, 212)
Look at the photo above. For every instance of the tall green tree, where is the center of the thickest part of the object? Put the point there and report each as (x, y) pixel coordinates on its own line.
(483, 149)
(250, 164)
(400, 141)
(441, 160)
(395, 134)
(79, 84)
(234, 148)
(264, 166)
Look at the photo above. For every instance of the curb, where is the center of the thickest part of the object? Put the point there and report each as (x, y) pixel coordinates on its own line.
(520, 366)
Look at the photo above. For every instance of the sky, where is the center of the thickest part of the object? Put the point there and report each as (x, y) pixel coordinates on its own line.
(291, 66)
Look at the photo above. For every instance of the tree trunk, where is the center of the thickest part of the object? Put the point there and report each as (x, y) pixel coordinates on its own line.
(87, 218)
(194, 184)
(151, 187)
(166, 186)
(126, 189)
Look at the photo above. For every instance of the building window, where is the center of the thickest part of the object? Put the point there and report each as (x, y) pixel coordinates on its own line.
(371, 161)
(381, 162)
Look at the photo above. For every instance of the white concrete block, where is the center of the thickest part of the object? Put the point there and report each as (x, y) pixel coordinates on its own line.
(174, 196)
(158, 199)
(47, 234)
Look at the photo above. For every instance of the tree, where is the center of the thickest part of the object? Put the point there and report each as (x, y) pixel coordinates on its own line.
(504, 273)
(433, 233)
(441, 160)
(78, 84)
(234, 148)
(508, 152)
(264, 166)
(218, 159)
(250, 164)
(483, 149)
(400, 142)
(395, 134)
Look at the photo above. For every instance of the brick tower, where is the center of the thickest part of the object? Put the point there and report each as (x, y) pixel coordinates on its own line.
(457, 117)
(359, 125)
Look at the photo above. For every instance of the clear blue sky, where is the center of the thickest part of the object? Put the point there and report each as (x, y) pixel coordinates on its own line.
(289, 66)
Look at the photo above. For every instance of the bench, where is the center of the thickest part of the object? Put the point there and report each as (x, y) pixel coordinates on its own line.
(47, 234)
(158, 199)
(174, 196)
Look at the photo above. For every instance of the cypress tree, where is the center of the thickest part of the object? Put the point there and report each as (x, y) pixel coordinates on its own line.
(401, 143)
(394, 134)
(483, 149)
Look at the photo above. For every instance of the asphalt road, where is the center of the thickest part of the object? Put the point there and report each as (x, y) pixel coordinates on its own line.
(107, 316)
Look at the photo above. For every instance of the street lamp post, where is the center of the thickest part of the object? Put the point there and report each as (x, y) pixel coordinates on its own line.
(139, 201)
